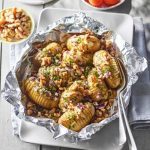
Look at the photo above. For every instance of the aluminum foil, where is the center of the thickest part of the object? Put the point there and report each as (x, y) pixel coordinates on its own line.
(75, 23)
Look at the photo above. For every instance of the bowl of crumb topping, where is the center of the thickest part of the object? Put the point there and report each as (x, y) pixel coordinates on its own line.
(16, 25)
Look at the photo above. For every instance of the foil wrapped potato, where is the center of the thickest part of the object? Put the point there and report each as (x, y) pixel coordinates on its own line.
(79, 117)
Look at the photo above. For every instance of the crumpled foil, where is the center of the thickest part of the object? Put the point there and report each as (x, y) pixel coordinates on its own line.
(75, 23)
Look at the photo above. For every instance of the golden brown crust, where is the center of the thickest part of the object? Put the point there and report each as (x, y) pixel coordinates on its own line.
(40, 99)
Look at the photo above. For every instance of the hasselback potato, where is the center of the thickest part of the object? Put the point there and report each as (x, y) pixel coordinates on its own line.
(79, 117)
(42, 99)
(97, 87)
(77, 57)
(72, 95)
(108, 68)
(52, 49)
(84, 43)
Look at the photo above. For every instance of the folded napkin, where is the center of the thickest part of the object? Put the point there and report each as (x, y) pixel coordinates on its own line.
(139, 107)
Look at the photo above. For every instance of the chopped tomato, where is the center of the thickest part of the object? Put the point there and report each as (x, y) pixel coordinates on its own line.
(96, 3)
(111, 2)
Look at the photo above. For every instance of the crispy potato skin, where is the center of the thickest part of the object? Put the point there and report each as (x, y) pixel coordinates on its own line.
(84, 43)
(78, 118)
(40, 99)
(109, 68)
(97, 87)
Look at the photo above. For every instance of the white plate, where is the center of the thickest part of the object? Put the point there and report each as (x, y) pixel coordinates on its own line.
(107, 138)
(104, 8)
(35, 2)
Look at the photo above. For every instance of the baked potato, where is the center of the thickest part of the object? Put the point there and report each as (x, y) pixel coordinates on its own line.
(97, 87)
(47, 53)
(73, 95)
(69, 98)
(79, 117)
(40, 98)
(77, 57)
(108, 68)
(57, 74)
(84, 43)
(79, 85)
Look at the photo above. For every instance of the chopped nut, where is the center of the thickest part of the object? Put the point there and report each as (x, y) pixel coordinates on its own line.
(17, 20)
(29, 112)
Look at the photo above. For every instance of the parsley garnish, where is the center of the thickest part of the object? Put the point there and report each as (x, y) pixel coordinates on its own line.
(56, 77)
(96, 74)
(79, 40)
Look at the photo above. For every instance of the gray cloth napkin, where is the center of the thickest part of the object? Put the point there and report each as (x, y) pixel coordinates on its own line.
(139, 107)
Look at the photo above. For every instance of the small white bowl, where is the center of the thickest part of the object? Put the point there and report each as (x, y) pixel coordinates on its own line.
(103, 8)
(22, 40)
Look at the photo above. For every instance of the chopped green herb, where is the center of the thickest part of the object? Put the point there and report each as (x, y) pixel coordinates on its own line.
(79, 40)
(71, 116)
(56, 77)
(96, 74)
(86, 71)
(65, 99)
(105, 69)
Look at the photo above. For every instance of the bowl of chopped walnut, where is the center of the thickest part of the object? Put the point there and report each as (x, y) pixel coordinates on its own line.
(16, 25)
